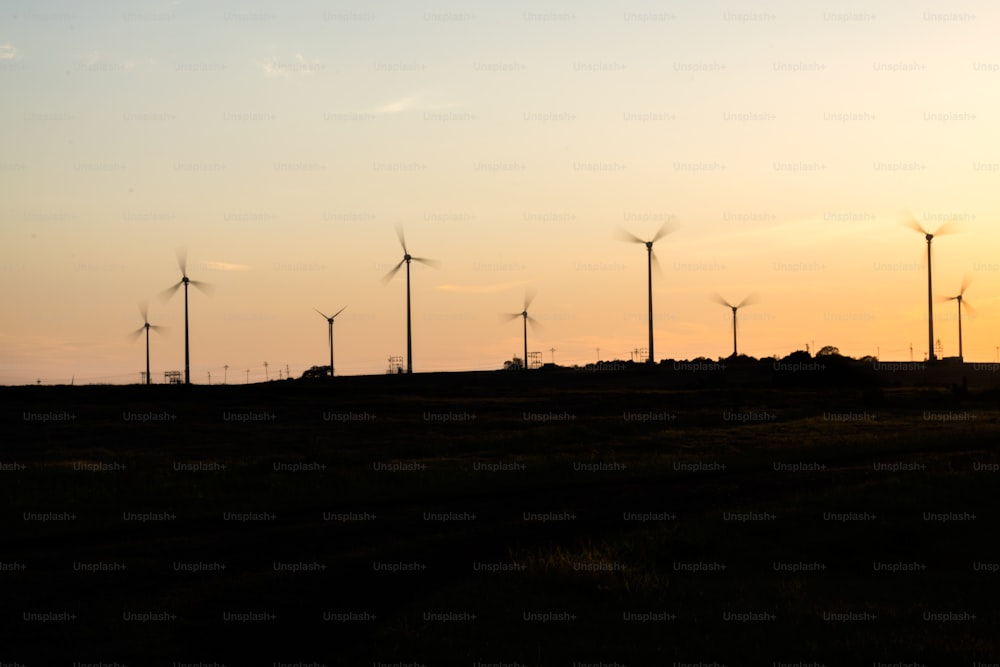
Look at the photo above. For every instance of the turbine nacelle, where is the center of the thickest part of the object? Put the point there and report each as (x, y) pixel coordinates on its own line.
(748, 301)
(146, 326)
(948, 227)
(960, 297)
(329, 318)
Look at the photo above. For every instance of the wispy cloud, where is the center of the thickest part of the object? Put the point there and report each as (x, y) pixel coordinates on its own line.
(9, 52)
(224, 266)
(397, 106)
(412, 102)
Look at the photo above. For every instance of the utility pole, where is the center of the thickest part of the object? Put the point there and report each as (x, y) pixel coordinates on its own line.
(553, 351)
(266, 378)
(248, 376)
(210, 378)
(226, 375)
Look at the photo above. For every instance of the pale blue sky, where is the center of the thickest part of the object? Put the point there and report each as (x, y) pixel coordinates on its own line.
(281, 143)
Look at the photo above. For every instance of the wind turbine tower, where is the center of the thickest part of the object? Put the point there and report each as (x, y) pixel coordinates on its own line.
(330, 319)
(407, 258)
(745, 302)
(185, 281)
(650, 262)
(943, 229)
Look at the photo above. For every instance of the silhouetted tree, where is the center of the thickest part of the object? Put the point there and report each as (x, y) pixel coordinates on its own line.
(316, 372)
(514, 364)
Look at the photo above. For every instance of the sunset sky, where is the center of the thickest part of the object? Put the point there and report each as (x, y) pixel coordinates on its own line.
(280, 143)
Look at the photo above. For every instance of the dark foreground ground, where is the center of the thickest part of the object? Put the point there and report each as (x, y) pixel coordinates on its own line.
(500, 519)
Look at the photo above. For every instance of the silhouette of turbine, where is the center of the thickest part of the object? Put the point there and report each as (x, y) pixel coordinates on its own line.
(330, 319)
(529, 296)
(961, 303)
(650, 262)
(146, 326)
(946, 228)
(170, 291)
(748, 301)
(407, 258)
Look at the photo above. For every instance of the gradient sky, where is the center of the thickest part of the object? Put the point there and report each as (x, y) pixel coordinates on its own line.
(281, 143)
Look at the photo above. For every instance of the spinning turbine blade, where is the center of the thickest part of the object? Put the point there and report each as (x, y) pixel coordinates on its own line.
(529, 296)
(950, 227)
(402, 239)
(170, 291)
(625, 235)
(912, 223)
(182, 260)
(655, 263)
(664, 229)
(325, 316)
(392, 272)
(722, 302)
(206, 288)
(965, 283)
(433, 263)
(748, 301)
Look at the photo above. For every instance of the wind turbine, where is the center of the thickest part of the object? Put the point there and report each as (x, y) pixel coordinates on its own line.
(650, 261)
(407, 257)
(529, 296)
(146, 326)
(946, 228)
(750, 300)
(170, 291)
(330, 319)
(959, 298)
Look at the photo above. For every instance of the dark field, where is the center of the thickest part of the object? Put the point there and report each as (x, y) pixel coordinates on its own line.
(543, 518)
